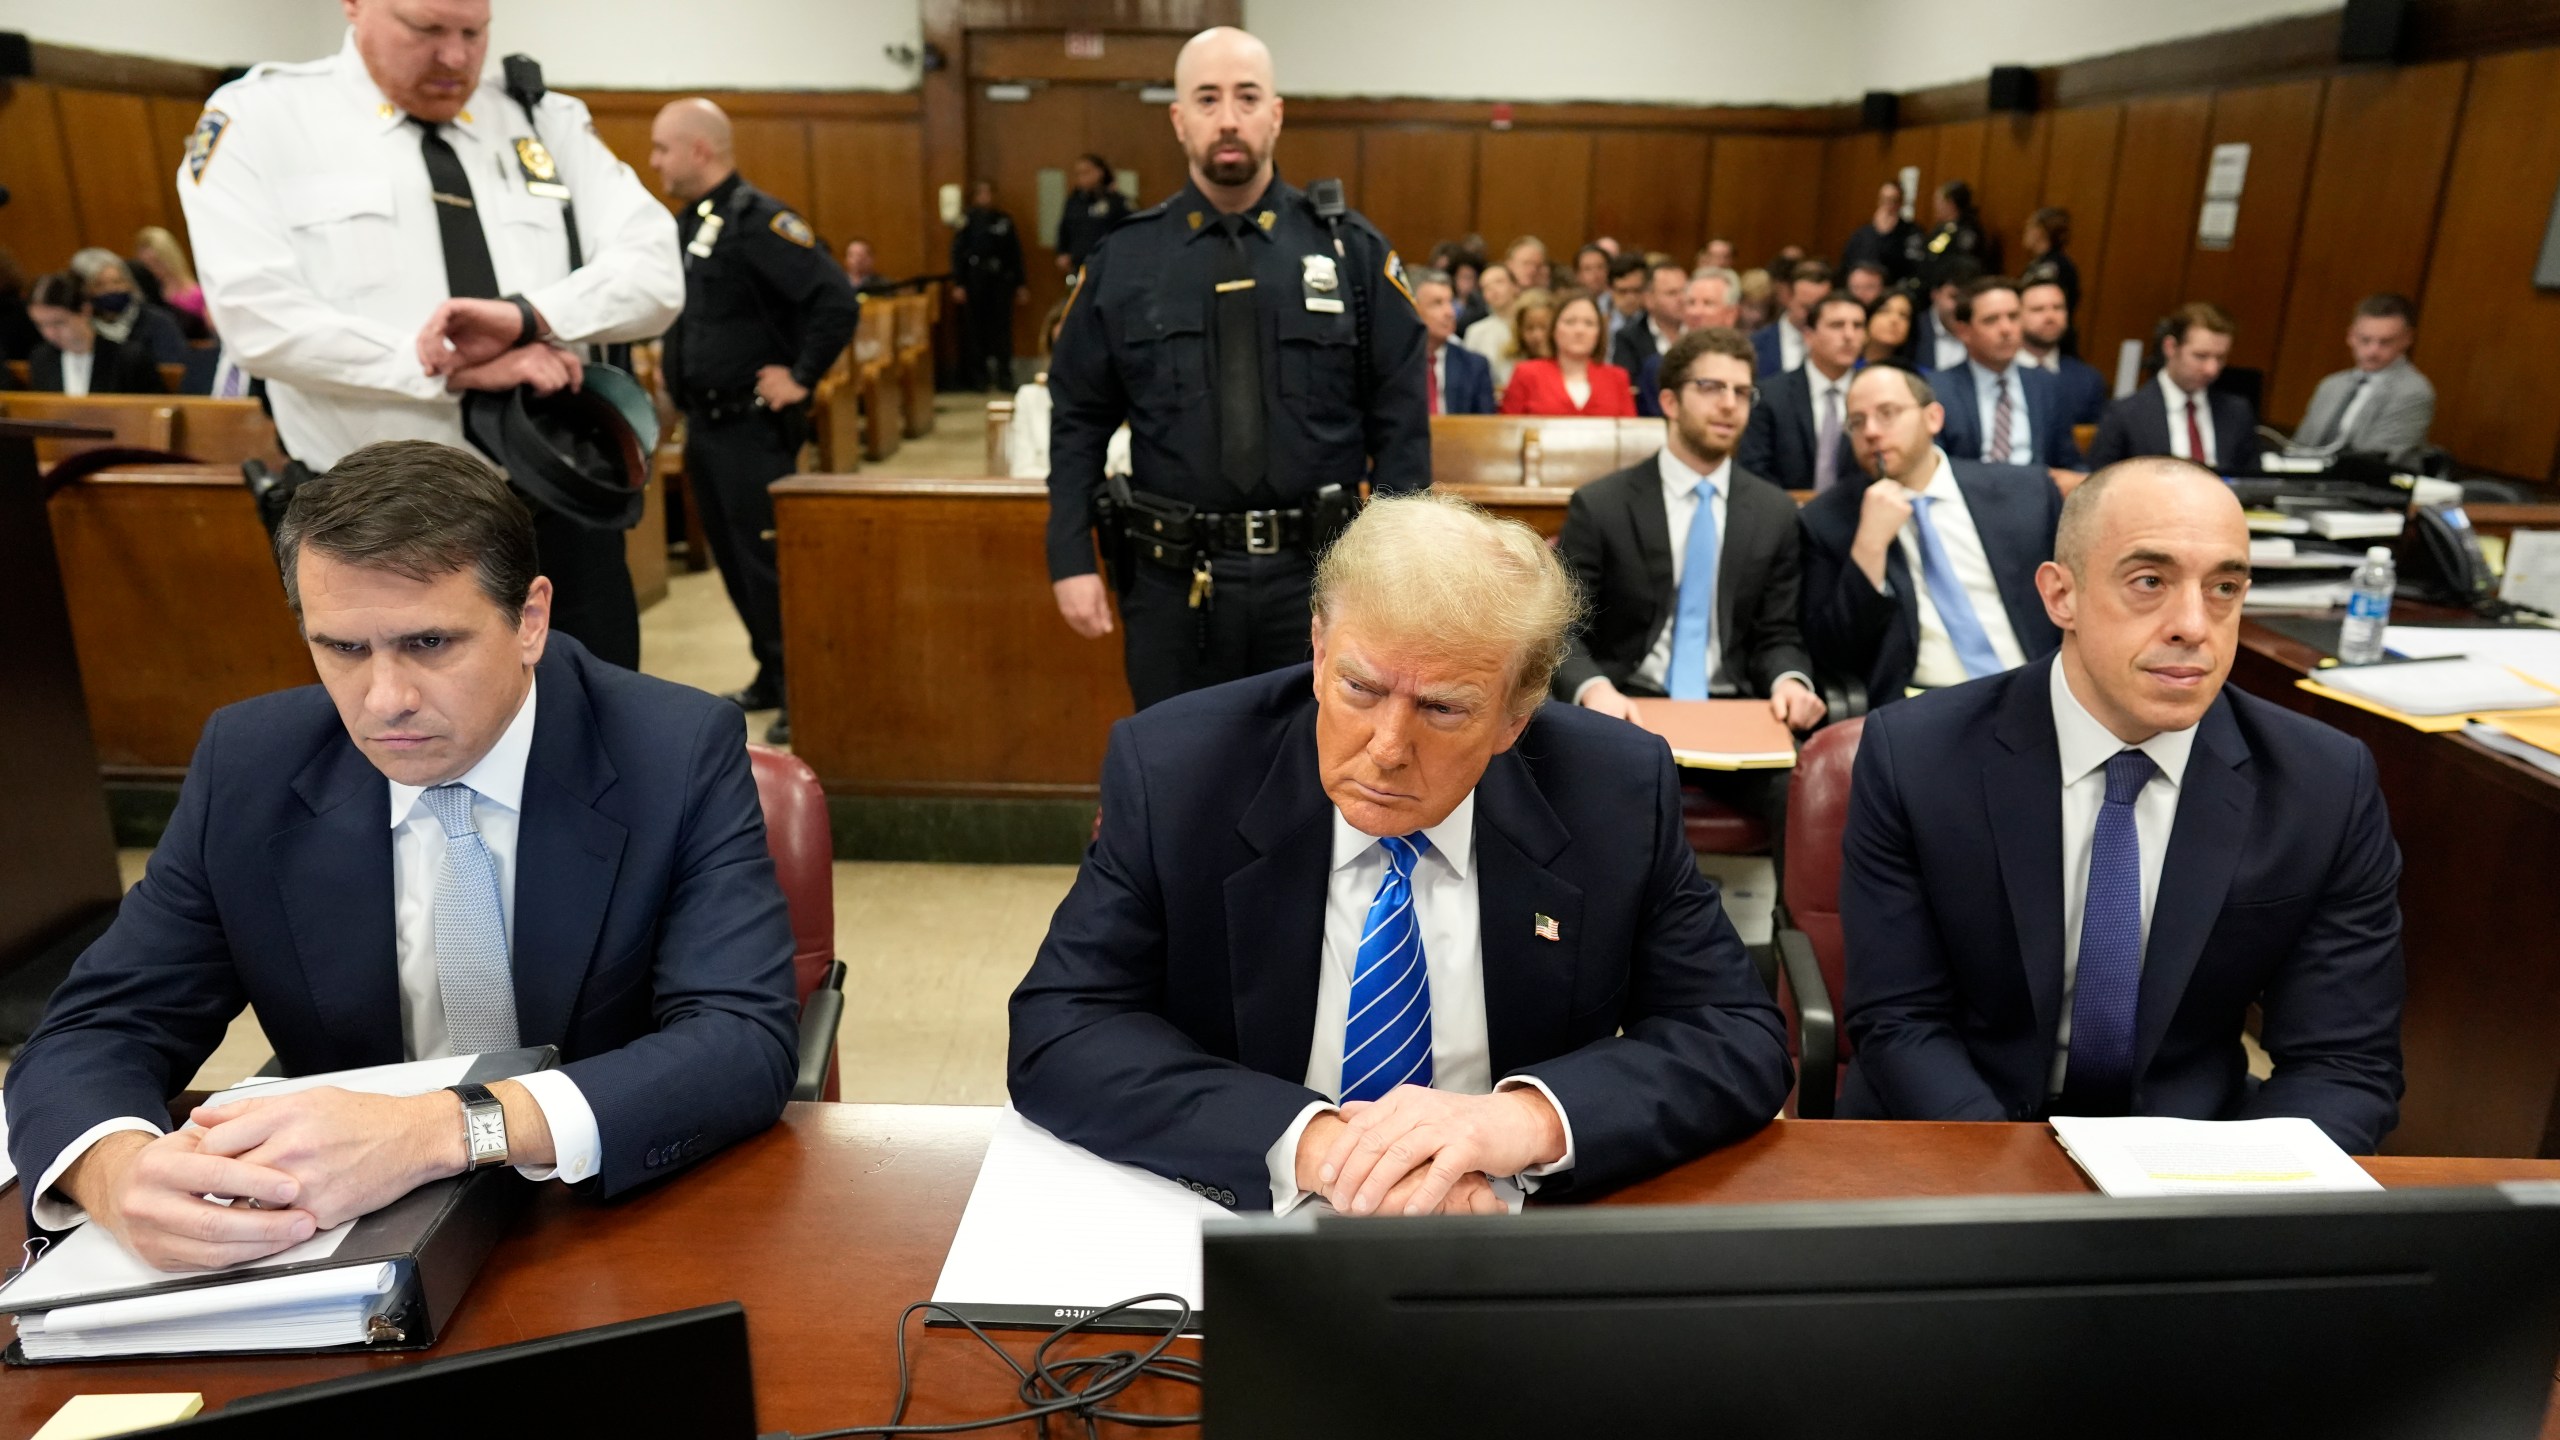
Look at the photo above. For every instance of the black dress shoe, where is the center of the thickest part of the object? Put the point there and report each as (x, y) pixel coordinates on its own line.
(759, 696)
(779, 732)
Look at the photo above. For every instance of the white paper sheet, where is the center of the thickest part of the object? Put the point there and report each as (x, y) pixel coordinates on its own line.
(411, 1077)
(2533, 570)
(1051, 1224)
(2531, 649)
(325, 1307)
(2148, 1155)
(2453, 686)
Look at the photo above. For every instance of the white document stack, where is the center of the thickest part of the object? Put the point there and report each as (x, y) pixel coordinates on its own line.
(2144, 1155)
(308, 1311)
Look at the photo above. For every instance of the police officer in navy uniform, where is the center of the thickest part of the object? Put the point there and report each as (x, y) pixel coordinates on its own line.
(1268, 362)
(986, 278)
(1093, 207)
(766, 313)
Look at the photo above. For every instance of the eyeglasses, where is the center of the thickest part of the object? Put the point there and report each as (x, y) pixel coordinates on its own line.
(1715, 391)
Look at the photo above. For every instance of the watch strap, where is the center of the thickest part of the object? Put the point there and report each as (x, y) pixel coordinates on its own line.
(532, 323)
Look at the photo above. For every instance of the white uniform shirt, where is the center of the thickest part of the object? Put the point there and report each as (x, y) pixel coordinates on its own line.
(2177, 402)
(2086, 748)
(315, 234)
(1446, 909)
(1937, 663)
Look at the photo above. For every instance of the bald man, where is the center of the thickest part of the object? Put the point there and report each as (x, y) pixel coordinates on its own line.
(2062, 887)
(766, 312)
(1267, 360)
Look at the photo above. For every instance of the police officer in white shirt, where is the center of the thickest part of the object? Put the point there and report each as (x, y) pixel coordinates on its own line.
(385, 229)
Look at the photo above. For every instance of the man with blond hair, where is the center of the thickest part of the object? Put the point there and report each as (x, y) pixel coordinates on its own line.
(1384, 929)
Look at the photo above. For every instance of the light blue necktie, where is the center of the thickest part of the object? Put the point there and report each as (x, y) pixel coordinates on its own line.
(472, 971)
(2108, 980)
(1696, 614)
(1955, 607)
(1388, 1039)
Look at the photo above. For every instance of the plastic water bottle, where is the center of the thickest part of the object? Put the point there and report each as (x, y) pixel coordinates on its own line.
(2368, 608)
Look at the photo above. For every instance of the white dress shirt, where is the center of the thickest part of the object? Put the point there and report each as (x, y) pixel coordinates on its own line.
(1026, 436)
(1490, 337)
(417, 852)
(1937, 663)
(1446, 909)
(1663, 339)
(2177, 402)
(1987, 384)
(315, 232)
(77, 367)
(1950, 351)
(1790, 345)
(2086, 748)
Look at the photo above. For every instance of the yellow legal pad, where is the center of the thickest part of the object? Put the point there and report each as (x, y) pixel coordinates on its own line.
(88, 1417)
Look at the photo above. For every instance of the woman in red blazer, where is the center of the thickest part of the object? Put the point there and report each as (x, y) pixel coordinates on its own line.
(1575, 382)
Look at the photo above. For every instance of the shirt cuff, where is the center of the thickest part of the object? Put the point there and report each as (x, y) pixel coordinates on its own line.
(577, 1151)
(1556, 1167)
(1282, 1160)
(53, 1212)
(1585, 687)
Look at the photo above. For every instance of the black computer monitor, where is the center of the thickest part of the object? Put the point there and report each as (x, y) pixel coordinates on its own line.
(682, 1376)
(2408, 1313)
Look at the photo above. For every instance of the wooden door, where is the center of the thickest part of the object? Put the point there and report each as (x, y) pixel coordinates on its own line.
(1014, 140)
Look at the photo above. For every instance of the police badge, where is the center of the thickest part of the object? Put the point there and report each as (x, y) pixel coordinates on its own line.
(541, 172)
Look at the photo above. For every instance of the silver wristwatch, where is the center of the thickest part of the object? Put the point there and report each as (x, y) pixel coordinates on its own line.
(484, 1126)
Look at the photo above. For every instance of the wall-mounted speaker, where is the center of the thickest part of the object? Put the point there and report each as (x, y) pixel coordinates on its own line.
(1879, 110)
(2373, 30)
(17, 57)
(2013, 88)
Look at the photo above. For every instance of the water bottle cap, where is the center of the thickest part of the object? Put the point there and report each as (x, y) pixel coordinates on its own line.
(2377, 552)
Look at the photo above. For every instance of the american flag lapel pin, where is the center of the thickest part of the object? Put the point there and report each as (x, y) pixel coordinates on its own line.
(1547, 929)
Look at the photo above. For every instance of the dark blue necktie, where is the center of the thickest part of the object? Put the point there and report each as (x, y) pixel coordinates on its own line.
(2109, 978)
(1388, 1039)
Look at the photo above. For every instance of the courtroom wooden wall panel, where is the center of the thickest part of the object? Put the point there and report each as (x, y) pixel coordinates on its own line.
(1649, 189)
(1043, 55)
(1309, 153)
(1853, 166)
(173, 119)
(2277, 123)
(115, 180)
(2080, 176)
(1533, 182)
(626, 134)
(867, 179)
(40, 225)
(2385, 137)
(1418, 186)
(2010, 186)
(2489, 338)
(774, 153)
(1764, 191)
(1960, 147)
(2160, 175)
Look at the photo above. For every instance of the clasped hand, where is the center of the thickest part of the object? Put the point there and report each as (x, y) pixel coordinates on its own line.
(481, 345)
(1422, 1151)
(293, 1165)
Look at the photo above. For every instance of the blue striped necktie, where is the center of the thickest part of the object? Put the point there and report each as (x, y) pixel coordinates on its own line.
(2108, 979)
(1388, 1039)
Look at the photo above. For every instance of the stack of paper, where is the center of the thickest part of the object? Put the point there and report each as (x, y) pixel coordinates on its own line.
(2308, 596)
(2147, 1155)
(306, 1311)
(2530, 649)
(2356, 524)
(2440, 687)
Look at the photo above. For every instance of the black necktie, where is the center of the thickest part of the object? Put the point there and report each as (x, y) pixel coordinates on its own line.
(1241, 451)
(468, 272)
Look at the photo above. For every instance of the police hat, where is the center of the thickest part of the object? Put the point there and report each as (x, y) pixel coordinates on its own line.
(583, 453)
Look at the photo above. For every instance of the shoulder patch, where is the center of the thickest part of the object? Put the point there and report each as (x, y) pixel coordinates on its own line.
(794, 229)
(203, 140)
(1395, 277)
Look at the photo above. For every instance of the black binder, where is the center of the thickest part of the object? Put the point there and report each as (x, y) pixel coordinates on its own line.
(437, 1235)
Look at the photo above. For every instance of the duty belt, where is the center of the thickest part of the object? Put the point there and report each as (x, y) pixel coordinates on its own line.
(719, 407)
(1138, 526)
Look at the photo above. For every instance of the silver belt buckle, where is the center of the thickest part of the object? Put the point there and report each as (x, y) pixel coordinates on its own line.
(1262, 532)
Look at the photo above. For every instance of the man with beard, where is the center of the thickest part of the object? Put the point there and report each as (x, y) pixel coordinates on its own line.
(1268, 362)
(1691, 563)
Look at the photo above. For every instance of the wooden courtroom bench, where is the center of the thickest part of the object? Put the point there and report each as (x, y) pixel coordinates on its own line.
(999, 434)
(215, 432)
(1570, 450)
(835, 417)
(876, 383)
(135, 422)
(915, 361)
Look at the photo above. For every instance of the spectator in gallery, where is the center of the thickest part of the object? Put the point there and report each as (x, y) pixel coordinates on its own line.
(1716, 254)
(2046, 240)
(1456, 380)
(1591, 269)
(1533, 332)
(1527, 262)
(1780, 343)
(1957, 235)
(158, 254)
(1490, 334)
(1760, 301)
(74, 357)
(1889, 328)
(1627, 277)
(120, 313)
(1708, 304)
(1463, 267)
(1866, 280)
(1576, 381)
(2381, 405)
(859, 265)
(1665, 285)
(1887, 241)
(2043, 321)
(1935, 345)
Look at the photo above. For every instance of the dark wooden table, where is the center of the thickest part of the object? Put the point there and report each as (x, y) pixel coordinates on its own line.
(829, 1225)
(2479, 837)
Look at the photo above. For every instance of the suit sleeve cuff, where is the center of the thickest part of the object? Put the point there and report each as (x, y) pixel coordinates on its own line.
(1797, 676)
(577, 1150)
(55, 1212)
(1282, 1161)
(1529, 1176)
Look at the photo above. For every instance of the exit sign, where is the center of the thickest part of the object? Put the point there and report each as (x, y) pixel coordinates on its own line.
(1084, 44)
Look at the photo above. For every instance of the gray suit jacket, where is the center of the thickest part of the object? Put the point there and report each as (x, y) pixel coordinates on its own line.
(2392, 423)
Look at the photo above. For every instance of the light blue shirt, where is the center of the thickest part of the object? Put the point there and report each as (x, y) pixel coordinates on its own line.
(1986, 395)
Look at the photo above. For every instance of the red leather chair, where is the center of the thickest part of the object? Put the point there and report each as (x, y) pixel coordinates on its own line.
(1810, 959)
(804, 854)
(1717, 829)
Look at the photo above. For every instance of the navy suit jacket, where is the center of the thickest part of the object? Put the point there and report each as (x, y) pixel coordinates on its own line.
(1856, 630)
(651, 941)
(1779, 443)
(1468, 390)
(1772, 351)
(2084, 391)
(1648, 387)
(2048, 422)
(2279, 889)
(2138, 424)
(1924, 339)
(1169, 1015)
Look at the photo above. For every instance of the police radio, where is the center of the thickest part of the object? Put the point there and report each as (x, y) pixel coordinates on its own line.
(1326, 197)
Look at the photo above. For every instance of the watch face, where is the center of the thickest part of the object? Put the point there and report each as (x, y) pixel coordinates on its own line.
(488, 1132)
